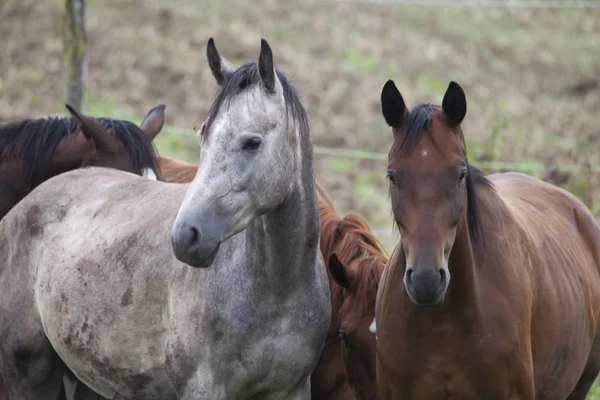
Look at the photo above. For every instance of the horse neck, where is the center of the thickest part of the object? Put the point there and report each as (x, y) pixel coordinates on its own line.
(289, 234)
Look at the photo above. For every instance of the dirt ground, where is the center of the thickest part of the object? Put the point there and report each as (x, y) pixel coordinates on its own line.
(532, 77)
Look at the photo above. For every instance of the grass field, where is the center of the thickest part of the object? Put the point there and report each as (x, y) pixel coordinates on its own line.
(532, 78)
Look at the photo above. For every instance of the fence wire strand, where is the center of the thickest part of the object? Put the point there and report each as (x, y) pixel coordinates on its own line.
(531, 167)
(483, 3)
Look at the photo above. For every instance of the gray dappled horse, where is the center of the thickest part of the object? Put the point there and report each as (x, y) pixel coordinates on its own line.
(91, 269)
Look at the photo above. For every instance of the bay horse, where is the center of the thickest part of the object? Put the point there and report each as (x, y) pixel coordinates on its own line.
(219, 292)
(34, 150)
(493, 291)
(355, 262)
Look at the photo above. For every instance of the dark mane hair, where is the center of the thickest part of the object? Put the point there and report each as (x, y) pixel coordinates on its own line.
(247, 76)
(352, 241)
(34, 141)
(418, 121)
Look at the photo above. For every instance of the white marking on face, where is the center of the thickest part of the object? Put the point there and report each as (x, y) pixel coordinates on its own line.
(373, 328)
(424, 152)
(149, 174)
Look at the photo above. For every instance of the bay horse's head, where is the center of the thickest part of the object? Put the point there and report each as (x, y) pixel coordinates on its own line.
(431, 186)
(117, 144)
(250, 155)
(34, 150)
(355, 262)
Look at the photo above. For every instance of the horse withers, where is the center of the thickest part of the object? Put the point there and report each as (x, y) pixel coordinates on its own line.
(493, 291)
(91, 271)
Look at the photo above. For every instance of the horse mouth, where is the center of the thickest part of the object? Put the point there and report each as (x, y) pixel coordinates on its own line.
(204, 262)
(426, 301)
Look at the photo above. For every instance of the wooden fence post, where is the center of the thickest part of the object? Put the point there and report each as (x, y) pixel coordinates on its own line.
(75, 40)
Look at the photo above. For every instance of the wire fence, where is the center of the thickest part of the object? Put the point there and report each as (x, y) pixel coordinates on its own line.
(483, 3)
(529, 167)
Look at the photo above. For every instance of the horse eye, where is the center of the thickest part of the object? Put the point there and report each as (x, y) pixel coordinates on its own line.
(346, 339)
(252, 144)
(391, 177)
(462, 176)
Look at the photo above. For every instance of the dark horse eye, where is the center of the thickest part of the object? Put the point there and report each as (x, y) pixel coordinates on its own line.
(462, 176)
(346, 339)
(391, 177)
(252, 144)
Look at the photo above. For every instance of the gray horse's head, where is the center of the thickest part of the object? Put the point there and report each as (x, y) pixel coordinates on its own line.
(249, 156)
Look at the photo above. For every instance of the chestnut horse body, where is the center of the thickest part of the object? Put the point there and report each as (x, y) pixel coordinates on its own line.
(355, 262)
(493, 291)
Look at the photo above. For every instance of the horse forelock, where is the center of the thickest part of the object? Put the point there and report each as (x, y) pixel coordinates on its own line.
(247, 76)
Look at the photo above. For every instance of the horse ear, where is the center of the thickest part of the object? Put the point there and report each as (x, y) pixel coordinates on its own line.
(71, 151)
(392, 105)
(338, 272)
(455, 103)
(219, 66)
(154, 121)
(265, 66)
(94, 132)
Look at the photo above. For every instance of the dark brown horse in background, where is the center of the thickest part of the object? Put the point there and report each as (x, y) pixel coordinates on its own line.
(493, 291)
(34, 150)
(346, 368)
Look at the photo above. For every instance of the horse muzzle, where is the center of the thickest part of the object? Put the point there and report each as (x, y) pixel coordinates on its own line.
(426, 286)
(197, 244)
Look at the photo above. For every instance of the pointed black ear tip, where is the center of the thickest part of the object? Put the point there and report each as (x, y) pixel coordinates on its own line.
(455, 87)
(211, 49)
(160, 107)
(74, 113)
(265, 49)
(389, 85)
(390, 82)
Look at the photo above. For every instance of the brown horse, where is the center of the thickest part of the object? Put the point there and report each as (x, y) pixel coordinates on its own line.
(346, 368)
(493, 291)
(355, 263)
(34, 150)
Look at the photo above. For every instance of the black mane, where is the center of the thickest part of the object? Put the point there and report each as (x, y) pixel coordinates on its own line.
(35, 141)
(418, 121)
(248, 76)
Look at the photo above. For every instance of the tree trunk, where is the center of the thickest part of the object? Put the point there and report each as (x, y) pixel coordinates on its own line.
(75, 39)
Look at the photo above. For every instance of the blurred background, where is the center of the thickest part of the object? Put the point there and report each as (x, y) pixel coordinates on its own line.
(530, 70)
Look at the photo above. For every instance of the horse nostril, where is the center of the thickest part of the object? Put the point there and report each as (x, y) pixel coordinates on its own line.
(409, 276)
(195, 236)
(443, 276)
